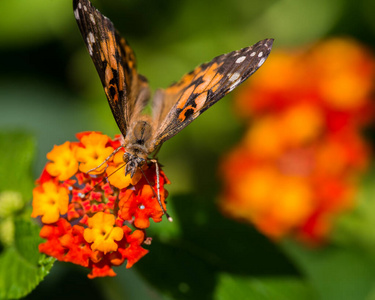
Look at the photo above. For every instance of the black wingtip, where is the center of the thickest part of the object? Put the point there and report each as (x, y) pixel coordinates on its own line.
(271, 42)
(266, 43)
(75, 4)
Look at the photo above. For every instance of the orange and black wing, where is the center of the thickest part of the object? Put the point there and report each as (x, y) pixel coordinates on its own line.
(126, 90)
(181, 103)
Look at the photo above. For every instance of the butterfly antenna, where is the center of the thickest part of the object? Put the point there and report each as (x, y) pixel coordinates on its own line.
(107, 159)
(158, 189)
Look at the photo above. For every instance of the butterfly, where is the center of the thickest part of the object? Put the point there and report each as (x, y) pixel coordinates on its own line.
(173, 108)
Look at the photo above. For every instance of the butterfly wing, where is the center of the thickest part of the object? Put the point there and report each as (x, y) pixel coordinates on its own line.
(126, 90)
(182, 102)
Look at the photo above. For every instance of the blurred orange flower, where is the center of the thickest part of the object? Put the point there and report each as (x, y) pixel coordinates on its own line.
(298, 164)
(86, 217)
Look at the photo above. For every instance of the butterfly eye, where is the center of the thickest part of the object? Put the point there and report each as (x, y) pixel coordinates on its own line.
(140, 161)
(126, 157)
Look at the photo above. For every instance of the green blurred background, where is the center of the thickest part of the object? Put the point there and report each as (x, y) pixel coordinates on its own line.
(49, 88)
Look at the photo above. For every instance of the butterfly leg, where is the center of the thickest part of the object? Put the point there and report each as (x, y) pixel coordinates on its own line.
(158, 188)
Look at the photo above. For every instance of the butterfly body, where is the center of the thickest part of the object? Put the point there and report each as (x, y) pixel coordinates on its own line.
(139, 145)
(174, 107)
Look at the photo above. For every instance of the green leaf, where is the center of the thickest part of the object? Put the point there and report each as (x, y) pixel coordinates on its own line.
(262, 288)
(17, 152)
(22, 267)
(335, 272)
(357, 228)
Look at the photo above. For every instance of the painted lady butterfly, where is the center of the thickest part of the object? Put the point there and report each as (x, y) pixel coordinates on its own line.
(173, 108)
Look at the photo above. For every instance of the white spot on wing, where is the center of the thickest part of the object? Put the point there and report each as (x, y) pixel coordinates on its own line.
(91, 37)
(91, 51)
(90, 40)
(261, 62)
(234, 85)
(252, 54)
(76, 14)
(240, 59)
(79, 5)
(85, 8)
(92, 19)
(260, 54)
(234, 76)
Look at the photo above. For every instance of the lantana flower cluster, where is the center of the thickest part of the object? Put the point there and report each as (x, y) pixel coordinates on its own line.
(96, 219)
(299, 162)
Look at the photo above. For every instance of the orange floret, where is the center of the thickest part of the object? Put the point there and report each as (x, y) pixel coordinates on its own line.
(63, 165)
(50, 201)
(102, 233)
(94, 152)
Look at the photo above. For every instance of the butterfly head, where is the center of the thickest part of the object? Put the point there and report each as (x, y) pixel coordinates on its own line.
(133, 162)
